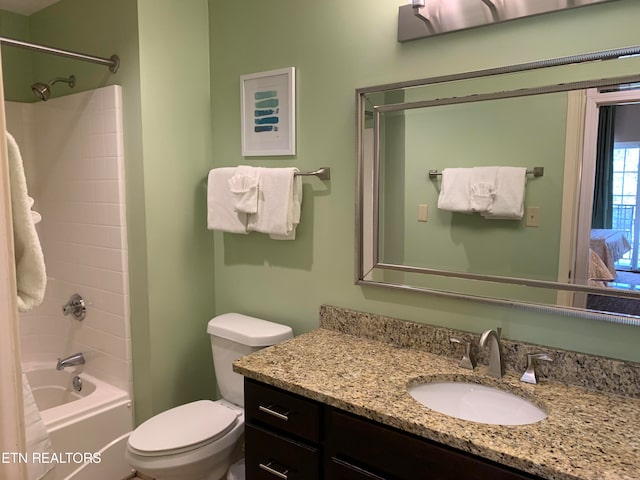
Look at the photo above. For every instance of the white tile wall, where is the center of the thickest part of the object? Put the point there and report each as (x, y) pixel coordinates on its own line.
(72, 148)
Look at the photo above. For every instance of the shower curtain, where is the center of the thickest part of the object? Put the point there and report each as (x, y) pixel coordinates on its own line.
(12, 434)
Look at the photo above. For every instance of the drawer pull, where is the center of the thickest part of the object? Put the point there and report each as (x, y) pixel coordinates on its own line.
(270, 410)
(270, 468)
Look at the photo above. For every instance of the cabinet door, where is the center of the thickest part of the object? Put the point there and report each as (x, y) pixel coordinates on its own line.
(389, 452)
(269, 456)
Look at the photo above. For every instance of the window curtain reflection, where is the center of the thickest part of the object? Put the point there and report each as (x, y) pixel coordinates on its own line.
(602, 215)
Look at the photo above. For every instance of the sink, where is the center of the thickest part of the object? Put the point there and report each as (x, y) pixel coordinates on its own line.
(477, 403)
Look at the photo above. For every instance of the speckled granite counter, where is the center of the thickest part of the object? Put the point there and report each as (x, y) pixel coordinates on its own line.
(587, 435)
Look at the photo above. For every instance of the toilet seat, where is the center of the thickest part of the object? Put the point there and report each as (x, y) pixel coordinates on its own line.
(183, 428)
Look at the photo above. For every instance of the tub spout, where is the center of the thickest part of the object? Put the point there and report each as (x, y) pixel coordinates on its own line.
(70, 361)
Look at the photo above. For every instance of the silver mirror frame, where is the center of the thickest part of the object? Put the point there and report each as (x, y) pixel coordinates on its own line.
(365, 263)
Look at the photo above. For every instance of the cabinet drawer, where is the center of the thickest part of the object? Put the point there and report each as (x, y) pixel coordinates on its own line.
(389, 452)
(339, 470)
(271, 457)
(284, 411)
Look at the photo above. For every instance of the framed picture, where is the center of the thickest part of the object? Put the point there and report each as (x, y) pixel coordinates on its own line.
(268, 112)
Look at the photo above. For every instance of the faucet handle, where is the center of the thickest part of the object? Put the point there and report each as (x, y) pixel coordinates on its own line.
(466, 361)
(529, 376)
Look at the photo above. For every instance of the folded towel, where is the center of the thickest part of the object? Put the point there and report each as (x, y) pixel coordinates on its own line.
(221, 214)
(36, 435)
(454, 190)
(244, 186)
(279, 199)
(31, 275)
(482, 188)
(296, 206)
(510, 190)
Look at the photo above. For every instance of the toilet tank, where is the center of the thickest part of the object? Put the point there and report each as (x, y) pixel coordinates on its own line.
(234, 335)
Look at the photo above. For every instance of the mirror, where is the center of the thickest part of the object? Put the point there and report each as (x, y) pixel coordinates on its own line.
(541, 117)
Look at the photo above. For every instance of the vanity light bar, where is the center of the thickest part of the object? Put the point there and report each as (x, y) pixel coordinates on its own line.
(535, 171)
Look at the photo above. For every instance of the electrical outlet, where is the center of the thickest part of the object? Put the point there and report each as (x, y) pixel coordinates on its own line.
(533, 216)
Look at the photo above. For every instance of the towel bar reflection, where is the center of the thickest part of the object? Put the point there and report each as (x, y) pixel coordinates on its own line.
(535, 171)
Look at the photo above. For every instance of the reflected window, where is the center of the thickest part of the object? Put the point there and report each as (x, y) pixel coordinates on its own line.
(626, 162)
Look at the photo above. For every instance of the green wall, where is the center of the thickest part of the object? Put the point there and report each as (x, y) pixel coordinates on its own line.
(338, 46)
(176, 139)
(17, 65)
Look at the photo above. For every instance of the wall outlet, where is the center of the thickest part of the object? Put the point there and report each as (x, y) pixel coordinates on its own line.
(533, 216)
(423, 212)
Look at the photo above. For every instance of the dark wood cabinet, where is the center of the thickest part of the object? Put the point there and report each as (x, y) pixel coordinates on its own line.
(291, 437)
(282, 434)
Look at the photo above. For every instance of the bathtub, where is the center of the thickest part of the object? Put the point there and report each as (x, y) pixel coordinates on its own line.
(93, 422)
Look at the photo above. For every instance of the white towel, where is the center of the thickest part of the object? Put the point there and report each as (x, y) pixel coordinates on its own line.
(221, 213)
(295, 207)
(482, 188)
(454, 190)
(244, 186)
(37, 437)
(279, 200)
(510, 192)
(31, 275)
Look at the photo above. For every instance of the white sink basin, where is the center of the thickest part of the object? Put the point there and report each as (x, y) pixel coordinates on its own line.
(477, 403)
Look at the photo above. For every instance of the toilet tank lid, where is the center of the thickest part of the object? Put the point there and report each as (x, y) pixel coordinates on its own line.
(249, 331)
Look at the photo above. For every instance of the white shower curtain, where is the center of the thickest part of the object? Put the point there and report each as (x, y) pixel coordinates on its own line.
(12, 434)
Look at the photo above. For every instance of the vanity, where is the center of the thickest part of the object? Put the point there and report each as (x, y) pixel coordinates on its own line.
(334, 404)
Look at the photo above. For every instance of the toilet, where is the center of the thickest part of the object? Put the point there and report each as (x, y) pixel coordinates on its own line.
(196, 441)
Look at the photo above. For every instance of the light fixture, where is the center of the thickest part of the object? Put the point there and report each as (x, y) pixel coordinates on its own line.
(417, 5)
(417, 20)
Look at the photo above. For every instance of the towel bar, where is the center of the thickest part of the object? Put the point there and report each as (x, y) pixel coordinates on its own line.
(323, 173)
(535, 171)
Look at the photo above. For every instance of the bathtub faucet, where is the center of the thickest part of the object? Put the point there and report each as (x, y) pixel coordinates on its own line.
(70, 361)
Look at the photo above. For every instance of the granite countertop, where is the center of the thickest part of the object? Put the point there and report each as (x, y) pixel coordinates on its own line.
(587, 435)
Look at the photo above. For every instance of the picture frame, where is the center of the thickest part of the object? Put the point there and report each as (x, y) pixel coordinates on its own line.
(268, 112)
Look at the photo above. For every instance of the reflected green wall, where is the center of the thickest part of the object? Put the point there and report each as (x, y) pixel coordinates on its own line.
(519, 132)
(338, 46)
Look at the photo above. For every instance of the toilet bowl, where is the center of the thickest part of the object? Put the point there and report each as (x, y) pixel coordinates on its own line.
(202, 438)
(197, 441)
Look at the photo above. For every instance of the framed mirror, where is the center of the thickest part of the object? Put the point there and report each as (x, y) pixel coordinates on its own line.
(569, 126)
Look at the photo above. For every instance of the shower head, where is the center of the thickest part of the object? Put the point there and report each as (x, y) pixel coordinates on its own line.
(43, 90)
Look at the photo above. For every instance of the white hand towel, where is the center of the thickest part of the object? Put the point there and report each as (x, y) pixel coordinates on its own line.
(454, 190)
(244, 186)
(278, 203)
(31, 275)
(296, 206)
(510, 192)
(221, 214)
(482, 188)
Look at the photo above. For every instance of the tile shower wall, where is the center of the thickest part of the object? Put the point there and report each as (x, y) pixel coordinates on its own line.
(72, 149)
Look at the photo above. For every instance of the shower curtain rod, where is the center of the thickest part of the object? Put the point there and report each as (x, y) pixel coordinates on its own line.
(112, 62)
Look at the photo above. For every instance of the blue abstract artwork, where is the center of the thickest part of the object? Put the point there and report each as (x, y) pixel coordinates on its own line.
(266, 113)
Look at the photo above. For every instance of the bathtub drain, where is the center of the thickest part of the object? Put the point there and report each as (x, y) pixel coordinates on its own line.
(77, 383)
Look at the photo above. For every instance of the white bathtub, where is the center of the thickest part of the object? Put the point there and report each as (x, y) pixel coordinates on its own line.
(95, 422)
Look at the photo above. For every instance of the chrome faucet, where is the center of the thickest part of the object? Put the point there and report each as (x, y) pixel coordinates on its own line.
(70, 361)
(496, 368)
